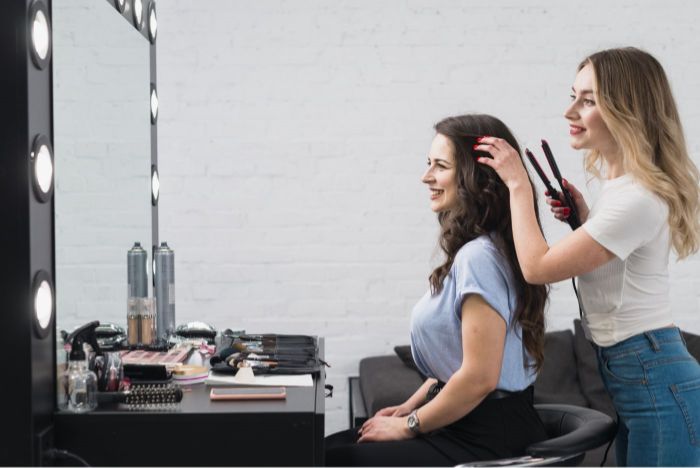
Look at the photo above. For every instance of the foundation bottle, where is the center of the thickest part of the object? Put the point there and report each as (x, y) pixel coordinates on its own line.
(132, 322)
(147, 321)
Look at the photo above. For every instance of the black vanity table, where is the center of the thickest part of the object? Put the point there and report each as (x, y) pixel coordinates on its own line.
(202, 432)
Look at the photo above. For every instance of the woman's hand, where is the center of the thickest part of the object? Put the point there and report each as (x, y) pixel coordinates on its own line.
(506, 161)
(562, 212)
(398, 410)
(384, 428)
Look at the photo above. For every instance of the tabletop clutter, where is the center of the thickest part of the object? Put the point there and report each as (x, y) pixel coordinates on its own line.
(151, 364)
(103, 369)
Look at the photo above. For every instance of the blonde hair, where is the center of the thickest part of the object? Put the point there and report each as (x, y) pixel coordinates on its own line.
(636, 104)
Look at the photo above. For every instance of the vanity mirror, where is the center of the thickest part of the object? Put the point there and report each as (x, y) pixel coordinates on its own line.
(71, 197)
(102, 139)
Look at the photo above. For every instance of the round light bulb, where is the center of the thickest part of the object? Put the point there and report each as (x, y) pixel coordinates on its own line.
(138, 12)
(120, 4)
(152, 24)
(155, 186)
(40, 34)
(154, 105)
(43, 168)
(43, 304)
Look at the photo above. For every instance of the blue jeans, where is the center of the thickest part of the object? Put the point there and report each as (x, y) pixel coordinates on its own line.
(655, 386)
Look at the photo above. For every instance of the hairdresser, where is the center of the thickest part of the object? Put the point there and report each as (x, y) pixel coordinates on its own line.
(478, 332)
(623, 113)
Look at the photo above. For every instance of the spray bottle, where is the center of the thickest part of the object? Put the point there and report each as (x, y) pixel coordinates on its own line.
(81, 382)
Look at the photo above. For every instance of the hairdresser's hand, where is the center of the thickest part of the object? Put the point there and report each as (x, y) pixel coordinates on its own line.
(398, 410)
(383, 428)
(562, 212)
(505, 161)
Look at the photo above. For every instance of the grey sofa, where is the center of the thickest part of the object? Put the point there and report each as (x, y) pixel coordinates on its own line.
(569, 376)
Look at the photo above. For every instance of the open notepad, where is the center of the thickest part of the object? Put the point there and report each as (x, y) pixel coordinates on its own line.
(245, 377)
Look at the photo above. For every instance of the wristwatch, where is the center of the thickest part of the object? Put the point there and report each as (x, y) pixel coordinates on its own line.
(413, 422)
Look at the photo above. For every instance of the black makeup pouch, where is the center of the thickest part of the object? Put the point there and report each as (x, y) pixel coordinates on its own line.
(268, 354)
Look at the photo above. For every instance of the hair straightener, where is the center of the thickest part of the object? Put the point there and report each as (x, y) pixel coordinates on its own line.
(573, 219)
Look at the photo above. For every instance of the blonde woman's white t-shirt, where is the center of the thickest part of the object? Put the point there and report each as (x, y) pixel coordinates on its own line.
(629, 294)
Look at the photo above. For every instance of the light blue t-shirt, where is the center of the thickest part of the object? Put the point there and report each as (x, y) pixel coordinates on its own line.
(436, 321)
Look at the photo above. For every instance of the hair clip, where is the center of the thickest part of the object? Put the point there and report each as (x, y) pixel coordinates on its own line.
(573, 218)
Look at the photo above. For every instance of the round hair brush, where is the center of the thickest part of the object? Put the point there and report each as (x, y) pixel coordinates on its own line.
(144, 397)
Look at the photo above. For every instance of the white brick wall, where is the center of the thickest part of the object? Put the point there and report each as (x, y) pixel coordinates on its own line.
(292, 137)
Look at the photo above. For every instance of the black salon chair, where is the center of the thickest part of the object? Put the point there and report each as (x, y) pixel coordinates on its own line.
(572, 430)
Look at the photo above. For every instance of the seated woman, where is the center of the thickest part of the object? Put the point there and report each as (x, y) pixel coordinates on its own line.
(478, 333)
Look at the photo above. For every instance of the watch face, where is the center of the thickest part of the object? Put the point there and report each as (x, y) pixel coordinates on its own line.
(412, 422)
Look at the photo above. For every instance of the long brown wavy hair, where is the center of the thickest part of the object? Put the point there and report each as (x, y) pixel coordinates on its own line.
(483, 207)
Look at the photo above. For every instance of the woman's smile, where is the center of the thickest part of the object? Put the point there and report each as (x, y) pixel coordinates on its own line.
(575, 130)
(435, 193)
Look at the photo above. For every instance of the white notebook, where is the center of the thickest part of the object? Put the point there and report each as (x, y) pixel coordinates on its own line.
(245, 377)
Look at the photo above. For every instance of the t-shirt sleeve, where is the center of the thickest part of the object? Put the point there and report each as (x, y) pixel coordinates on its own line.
(478, 270)
(625, 223)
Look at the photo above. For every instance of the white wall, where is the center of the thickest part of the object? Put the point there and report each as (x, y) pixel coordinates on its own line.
(292, 136)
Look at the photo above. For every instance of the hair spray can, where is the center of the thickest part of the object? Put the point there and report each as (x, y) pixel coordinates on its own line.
(136, 261)
(164, 258)
(137, 287)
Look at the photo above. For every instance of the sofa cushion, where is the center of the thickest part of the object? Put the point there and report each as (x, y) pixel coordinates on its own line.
(404, 353)
(588, 375)
(385, 381)
(693, 344)
(557, 381)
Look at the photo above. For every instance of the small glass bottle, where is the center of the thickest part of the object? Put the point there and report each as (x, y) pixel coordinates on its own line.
(114, 371)
(82, 387)
(79, 381)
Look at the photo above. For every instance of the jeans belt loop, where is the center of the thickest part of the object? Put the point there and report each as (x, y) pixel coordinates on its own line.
(654, 344)
(680, 333)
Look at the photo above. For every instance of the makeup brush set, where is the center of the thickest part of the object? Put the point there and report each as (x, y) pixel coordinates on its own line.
(268, 354)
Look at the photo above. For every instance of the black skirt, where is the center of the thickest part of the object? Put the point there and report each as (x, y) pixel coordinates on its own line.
(497, 428)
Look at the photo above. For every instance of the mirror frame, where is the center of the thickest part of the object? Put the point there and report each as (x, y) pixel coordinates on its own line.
(27, 232)
(143, 29)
